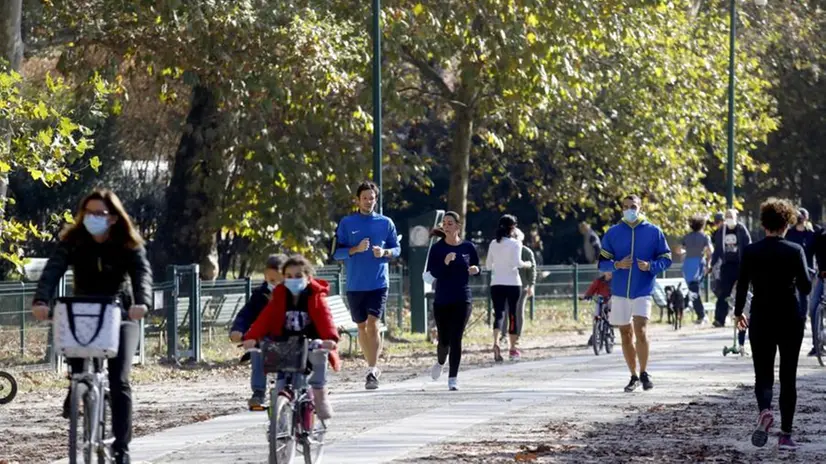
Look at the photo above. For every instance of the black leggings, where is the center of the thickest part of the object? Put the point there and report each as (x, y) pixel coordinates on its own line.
(451, 320)
(506, 295)
(694, 287)
(766, 338)
(119, 389)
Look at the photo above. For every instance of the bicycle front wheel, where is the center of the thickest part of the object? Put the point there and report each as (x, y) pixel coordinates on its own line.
(607, 337)
(819, 329)
(281, 432)
(312, 441)
(596, 336)
(80, 420)
(8, 387)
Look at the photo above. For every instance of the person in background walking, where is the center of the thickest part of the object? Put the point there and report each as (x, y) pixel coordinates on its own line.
(591, 244)
(247, 315)
(696, 250)
(366, 241)
(719, 220)
(729, 242)
(777, 272)
(803, 234)
(528, 277)
(536, 244)
(819, 250)
(634, 251)
(451, 262)
(504, 260)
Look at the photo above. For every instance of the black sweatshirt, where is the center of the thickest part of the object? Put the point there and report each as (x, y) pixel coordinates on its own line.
(776, 269)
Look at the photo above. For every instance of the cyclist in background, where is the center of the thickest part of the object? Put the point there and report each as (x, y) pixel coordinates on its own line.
(601, 286)
(258, 300)
(108, 258)
(299, 307)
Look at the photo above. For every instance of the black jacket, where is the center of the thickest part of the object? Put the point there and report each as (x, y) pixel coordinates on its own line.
(819, 248)
(776, 269)
(100, 269)
(743, 240)
(249, 313)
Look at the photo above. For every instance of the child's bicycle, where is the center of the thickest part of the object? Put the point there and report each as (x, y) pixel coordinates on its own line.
(8, 387)
(293, 423)
(602, 334)
(819, 330)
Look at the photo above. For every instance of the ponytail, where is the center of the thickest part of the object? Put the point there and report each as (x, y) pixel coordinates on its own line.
(505, 228)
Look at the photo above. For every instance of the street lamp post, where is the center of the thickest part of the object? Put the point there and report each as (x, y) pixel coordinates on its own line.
(731, 116)
(377, 100)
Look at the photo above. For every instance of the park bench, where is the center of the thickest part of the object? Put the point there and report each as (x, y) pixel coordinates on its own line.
(344, 321)
(225, 311)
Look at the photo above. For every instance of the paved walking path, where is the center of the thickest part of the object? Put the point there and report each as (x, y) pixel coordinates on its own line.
(405, 419)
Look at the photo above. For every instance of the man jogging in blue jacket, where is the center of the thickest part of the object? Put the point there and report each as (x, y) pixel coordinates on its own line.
(635, 251)
(366, 241)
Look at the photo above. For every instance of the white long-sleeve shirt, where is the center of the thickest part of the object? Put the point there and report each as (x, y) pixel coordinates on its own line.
(503, 260)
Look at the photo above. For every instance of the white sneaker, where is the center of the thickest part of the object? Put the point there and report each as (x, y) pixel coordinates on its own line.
(452, 385)
(436, 371)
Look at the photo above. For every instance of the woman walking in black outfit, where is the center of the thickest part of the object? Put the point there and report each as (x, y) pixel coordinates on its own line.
(451, 262)
(106, 253)
(777, 270)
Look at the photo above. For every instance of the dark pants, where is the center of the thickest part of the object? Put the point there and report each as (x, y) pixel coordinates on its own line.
(728, 277)
(694, 293)
(119, 389)
(451, 321)
(506, 297)
(767, 337)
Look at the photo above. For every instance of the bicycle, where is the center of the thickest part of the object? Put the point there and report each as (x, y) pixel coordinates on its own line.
(89, 404)
(8, 387)
(602, 331)
(293, 423)
(819, 331)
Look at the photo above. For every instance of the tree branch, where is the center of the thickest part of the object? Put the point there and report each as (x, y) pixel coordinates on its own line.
(430, 73)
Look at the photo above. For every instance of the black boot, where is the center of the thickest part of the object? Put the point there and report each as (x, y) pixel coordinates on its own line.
(122, 457)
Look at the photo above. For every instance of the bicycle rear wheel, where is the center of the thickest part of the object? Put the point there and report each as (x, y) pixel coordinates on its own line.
(104, 451)
(607, 337)
(8, 387)
(80, 430)
(281, 431)
(596, 333)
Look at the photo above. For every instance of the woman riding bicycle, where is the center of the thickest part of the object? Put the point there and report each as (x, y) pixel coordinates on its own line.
(106, 253)
(299, 307)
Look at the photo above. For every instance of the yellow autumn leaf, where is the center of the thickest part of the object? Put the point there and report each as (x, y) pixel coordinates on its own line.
(418, 9)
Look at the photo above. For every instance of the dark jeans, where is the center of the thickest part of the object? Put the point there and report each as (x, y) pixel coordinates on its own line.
(451, 321)
(728, 276)
(767, 337)
(119, 389)
(694, 290)
(506, 297)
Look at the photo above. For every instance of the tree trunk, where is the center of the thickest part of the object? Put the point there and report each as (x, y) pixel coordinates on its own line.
(11, 47)
(188, 235)
(460, 164)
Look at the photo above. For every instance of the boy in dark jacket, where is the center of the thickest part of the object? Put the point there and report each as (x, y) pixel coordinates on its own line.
(249, 313)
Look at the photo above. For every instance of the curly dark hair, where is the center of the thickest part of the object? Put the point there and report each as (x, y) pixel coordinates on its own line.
(697, 223)
(777, 214)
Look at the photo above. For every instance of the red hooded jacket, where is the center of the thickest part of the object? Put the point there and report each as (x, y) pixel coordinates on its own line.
(270, 323)
(599, 287)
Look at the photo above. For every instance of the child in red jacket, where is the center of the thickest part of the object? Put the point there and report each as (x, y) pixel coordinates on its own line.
(299, 307)
(601, 286)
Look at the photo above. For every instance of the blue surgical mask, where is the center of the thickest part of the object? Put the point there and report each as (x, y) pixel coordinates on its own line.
(270, 286)
(295, 286)
(96, 225)
(630, 215)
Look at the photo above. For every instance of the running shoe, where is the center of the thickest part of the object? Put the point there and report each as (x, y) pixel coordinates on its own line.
(257, 400)
(813, 352)
(372, 382)
(436, 371)
(452, 385)
(786, 443)
(761, 434)
(646, 381)
(515, 355)
(633, 384)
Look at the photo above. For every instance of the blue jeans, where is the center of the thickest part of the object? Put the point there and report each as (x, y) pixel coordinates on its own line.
(318, 378)
(814, 300)
(258, 380)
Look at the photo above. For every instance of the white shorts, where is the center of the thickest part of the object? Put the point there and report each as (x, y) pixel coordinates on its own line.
(624, 309)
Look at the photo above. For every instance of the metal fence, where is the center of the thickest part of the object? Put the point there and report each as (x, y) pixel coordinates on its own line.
(208, 308)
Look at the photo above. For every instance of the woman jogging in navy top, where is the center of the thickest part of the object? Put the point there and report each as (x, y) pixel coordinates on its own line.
(451, 262)
(504, 261)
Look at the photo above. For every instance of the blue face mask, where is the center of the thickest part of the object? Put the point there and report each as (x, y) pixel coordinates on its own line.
(630, 215)
(295, 286)
(96, 225)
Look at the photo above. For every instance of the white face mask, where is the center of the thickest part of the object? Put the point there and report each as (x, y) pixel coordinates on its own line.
(731, 223)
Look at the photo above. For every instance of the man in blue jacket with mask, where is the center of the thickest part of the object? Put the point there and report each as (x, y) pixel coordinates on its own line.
(635, 251)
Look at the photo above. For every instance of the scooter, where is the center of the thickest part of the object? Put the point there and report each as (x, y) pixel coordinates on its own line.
(8, 387)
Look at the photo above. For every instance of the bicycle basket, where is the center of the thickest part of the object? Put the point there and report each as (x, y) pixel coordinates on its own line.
(86, 327)
(285, 356)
